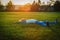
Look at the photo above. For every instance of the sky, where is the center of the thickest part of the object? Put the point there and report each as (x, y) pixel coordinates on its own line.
(21, 2)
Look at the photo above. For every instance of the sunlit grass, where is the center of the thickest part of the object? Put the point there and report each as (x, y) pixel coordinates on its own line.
(28, 31)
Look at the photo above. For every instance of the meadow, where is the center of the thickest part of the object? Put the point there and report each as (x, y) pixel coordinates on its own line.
(10, 30)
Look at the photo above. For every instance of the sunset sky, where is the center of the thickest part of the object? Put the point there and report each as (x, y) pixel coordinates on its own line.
(21, 2)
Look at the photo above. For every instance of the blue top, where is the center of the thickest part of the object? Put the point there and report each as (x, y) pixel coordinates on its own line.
(31, 21)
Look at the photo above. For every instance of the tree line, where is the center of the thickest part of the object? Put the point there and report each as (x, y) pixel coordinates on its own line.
(35, 7)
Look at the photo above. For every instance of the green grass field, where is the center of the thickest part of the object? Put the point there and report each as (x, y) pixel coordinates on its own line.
(10, 30)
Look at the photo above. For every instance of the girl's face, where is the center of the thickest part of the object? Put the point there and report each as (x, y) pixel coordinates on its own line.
(21, 20)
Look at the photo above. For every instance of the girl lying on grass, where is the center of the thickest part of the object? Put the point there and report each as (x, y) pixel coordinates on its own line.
(43, 23)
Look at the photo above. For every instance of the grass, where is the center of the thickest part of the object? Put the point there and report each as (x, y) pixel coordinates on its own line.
(10, 30)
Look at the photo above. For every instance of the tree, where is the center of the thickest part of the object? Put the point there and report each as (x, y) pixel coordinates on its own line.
(1, 7)
(57, 6)
(35, 6)
(9, 6)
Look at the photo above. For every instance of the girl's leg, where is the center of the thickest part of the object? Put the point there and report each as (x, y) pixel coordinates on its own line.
(47, 23)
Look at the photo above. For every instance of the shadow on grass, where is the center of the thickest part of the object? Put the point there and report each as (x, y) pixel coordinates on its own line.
(29, 32)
